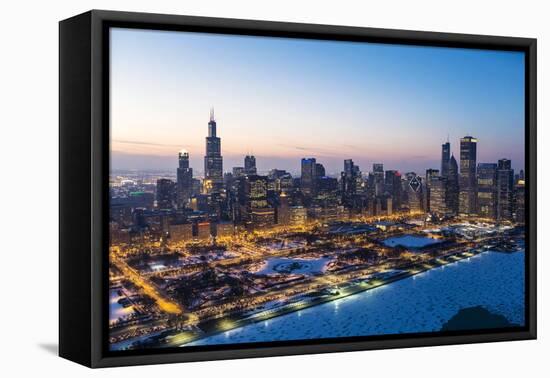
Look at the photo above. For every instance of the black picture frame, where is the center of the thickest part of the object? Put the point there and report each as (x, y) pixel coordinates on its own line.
(84, 169)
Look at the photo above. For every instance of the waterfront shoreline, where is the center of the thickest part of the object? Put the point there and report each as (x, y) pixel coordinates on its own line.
(229, 323)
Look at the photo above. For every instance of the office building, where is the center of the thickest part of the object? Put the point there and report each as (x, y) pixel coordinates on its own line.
(250, 165)
(213, 161)
(452, 187)
(438, 195)
(505, 185)
(184, 180)
(445, 158)
(487, 190)
(165, 194)
(309, 177)
(468, 179)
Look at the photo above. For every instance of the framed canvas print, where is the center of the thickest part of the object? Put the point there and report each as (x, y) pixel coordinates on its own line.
(234, 188)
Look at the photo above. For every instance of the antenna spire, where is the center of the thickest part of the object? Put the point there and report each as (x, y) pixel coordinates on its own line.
(212, 118)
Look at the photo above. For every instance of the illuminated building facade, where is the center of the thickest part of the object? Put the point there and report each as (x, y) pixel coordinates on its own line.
(308, 177)
(181, 232)
(430, 174)
(378, 175)
(394, 188)
(505, 185)
(250, 165)
(438, 195)
(468, 179)
(445, 158)
(452, 187)
(184, 180)
(487, 190)
(165, 194)
(258, 212)
(213, 161)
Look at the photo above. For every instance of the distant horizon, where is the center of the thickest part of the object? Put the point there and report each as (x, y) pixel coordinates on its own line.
(283, 99)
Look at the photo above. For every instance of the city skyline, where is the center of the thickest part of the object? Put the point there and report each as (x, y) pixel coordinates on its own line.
(326, 170)
(370, 113)
(240, 162)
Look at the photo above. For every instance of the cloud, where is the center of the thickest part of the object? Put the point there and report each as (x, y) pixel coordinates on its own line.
(140, 143)
(313, 150)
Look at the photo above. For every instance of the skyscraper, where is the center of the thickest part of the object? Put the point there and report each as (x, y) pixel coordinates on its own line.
(452, 187)
(319, 170)
(519, 200)
(283, 210)
(393, 187)
(250, 165)
(430, 174)
(445, 158)
(349, 178)
(467, 182)
(213, 161)
(184, 179)
(238, 172)
(259, 213)
(165, 194)
(308, 176)
(415, 191)
(486, 190)
(378, 172)
(438, 195)
(505, 185)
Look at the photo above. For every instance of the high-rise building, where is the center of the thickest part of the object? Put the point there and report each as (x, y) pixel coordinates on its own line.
(184, 179)
(256, 191)
(349, 180)
(203, 230)
(259, 213)
(487, 190)
(298, 215)
(415, 189)
(283, 210)
(327, 188)
(280, 181)
(438, 195)
(165, 194)
(505, 185)
(519, 199)
(452, 187)
(238, 172)
(319, 171)
(309, 176)
(378, 173)
(181, 232)
(393, 188)
(250, 165)
(468, 179)
(430, 174)
(445, 158)
(213, 161)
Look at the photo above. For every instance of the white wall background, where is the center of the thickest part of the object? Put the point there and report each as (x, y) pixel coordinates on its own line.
(29, 174)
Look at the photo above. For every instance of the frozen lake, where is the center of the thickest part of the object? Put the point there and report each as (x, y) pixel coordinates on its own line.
(421, 303)
(410, 241)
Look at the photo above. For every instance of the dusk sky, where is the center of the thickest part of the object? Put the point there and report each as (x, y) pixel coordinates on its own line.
(285, 99)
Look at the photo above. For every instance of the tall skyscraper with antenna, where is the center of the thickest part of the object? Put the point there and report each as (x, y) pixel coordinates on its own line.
(213, 160)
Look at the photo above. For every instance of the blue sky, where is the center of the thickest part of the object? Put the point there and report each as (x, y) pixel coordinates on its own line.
(284, 99)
